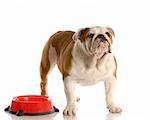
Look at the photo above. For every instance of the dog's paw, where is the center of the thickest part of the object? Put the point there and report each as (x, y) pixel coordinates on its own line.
(70, 110)
(114, 109)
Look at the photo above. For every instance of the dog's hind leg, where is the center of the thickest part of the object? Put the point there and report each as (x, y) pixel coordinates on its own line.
(48, 61)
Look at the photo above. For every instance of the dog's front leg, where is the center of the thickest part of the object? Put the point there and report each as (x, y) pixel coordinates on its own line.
(69, 86)
(109, 87)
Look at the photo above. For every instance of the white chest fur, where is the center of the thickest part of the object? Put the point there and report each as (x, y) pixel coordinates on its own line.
(89, 71)
(87, 77)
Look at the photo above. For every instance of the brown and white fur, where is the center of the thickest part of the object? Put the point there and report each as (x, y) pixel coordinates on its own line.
(83, 57)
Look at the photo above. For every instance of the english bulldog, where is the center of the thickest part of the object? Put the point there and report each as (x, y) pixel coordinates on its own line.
(84, 57)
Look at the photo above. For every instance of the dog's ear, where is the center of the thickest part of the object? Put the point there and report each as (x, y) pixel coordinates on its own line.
(111, 31)
(80, 34)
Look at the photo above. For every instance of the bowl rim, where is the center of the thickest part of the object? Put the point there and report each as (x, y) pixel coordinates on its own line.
(26, 99)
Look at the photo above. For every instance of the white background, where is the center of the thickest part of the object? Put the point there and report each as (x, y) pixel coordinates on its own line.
(25, 26)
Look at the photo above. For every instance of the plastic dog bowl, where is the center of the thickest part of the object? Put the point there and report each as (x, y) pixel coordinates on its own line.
(31, 105)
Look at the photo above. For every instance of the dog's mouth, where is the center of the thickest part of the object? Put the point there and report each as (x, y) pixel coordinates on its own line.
(100, 47)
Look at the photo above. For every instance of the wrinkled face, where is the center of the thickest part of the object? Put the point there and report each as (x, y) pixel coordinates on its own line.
(96, 40)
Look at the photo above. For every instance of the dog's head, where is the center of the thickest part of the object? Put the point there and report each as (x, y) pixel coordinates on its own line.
(96, 40)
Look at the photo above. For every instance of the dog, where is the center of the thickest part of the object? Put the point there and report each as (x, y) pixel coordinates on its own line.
(84, 57)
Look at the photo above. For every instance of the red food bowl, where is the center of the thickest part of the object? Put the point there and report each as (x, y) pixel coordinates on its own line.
(31, 105)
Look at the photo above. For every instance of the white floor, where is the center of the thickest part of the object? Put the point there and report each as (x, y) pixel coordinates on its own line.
(133, 99)
(86, 113)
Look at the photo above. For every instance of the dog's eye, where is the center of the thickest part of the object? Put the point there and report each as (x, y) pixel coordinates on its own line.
(107, 33)
(90, 35)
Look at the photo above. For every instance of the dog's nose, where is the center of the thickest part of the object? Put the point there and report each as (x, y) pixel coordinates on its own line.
(102, 38)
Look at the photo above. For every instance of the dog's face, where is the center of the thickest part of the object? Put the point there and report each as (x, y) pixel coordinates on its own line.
(95, 40)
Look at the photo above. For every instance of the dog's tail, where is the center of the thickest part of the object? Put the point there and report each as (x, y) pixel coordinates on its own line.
(48, 61)
(44, 68)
